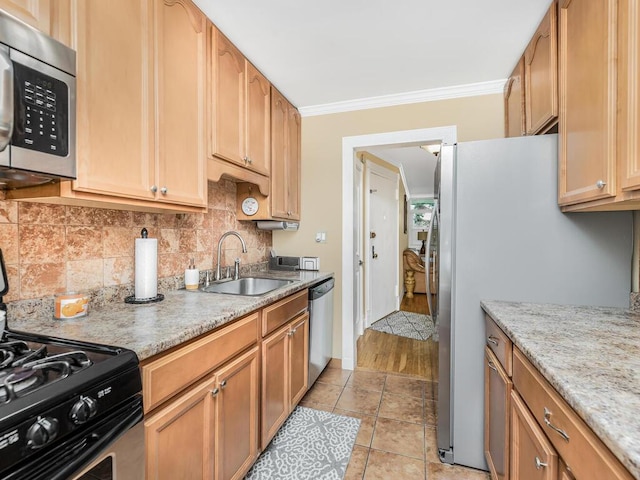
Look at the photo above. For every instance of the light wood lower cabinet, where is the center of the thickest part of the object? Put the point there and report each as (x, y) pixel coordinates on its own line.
(532, 456)
(531, 433)
(212, 404)
(179, 438)
(497, 402)
(211, 431)
(285, 374)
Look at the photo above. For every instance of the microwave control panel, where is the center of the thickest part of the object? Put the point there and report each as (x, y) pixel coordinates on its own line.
(41, 112)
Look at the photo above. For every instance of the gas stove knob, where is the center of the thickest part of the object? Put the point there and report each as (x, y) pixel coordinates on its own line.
(42, 432)
(83, 410)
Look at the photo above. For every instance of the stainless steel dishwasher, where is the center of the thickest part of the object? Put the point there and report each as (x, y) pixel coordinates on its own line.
(320, 327)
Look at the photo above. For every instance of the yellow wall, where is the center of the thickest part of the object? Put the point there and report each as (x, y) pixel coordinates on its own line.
(476, 118)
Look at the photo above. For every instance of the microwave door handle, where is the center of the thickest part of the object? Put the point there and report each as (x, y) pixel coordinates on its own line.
(6, 99)
(428, 258)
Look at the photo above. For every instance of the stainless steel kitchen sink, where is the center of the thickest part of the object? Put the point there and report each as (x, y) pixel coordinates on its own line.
(250, 286)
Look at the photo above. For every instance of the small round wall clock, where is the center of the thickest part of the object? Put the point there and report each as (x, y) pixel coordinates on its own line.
(250, 206)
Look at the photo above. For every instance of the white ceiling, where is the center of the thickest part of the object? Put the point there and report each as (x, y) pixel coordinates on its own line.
(321, 52)
(318, 53)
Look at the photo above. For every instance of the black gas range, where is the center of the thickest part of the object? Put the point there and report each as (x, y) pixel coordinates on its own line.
(61, 402)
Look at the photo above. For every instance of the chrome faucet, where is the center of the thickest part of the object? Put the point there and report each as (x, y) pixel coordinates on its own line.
(244, 250)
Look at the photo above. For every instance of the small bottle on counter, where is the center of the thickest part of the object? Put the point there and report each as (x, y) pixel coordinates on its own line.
(191, 276)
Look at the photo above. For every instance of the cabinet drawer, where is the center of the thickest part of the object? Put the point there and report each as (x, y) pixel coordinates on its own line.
(583, 452)
(276, 315)
(499, 344)
(165, 376)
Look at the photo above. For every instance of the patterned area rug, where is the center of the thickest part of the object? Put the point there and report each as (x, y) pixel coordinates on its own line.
(407, 324)
(311, 445)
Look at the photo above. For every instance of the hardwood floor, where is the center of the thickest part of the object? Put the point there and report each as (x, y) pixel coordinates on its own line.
(390, 353)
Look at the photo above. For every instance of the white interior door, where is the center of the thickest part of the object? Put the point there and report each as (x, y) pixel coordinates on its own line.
(382, 246)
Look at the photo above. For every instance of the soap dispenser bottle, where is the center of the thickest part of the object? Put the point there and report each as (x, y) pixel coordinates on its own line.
(191, 276)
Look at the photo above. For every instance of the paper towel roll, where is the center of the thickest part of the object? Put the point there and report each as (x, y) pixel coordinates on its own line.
(146, 272)
(273, 225)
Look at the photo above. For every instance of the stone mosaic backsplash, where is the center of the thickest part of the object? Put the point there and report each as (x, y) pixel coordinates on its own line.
(50, 249)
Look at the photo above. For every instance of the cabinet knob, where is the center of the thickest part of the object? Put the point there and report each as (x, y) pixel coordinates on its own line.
(223, 383)
(540, 464)
(154, 188)
(164, 190)
(600, 184)
(289, 213)
(215, 392)
(249, 160)
(246, 159)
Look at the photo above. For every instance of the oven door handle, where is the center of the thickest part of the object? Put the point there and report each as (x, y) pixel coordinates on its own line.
(61, 463)
(6, 98)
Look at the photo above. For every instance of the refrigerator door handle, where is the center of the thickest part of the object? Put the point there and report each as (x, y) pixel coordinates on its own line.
(427, 266)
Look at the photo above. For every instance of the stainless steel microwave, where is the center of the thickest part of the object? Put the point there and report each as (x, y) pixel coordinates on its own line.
(37, 106)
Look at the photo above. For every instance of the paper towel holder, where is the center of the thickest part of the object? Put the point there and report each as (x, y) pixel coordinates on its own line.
(144, 233)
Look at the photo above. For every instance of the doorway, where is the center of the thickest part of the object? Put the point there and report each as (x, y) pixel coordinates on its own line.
(350, 265)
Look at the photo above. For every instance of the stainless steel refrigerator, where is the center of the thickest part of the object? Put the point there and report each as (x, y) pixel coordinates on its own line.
(497, 233)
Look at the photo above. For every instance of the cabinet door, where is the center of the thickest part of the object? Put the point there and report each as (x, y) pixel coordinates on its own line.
(180, 50)
(236, 417)
(629, 91)
(275, 383)
(115, 111)
(258, 121)
(564, 472)
(514, 125)
(179, 438)
(587, 126)
(294, 127)
(36, 13)
(532, 456)
(541, 74)
(228, 107)
(298, 359)
(279, 175)
(497, 394)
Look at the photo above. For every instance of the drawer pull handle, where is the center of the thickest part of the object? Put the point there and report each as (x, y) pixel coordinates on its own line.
(540, 464)
(559, 431)
(491, 365)
(492, 339)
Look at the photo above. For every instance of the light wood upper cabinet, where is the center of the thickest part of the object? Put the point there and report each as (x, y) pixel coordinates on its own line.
(541, 75)
(514, 124)
(258, 121)
(115, 137)
(180, 51)
(587, 125)
(279, 174)
(239, 108)
(294, 159)
(141, 71)
(629, 95)
(37, 13)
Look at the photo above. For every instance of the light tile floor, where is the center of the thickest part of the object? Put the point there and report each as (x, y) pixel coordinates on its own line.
(397, 436)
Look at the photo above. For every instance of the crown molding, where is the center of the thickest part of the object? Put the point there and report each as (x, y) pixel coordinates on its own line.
(433, 94)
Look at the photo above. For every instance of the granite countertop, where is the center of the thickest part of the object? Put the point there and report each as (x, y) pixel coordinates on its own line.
(152, 328)
(591, 356)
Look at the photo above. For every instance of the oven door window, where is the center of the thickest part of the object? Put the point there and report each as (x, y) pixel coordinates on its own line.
(102, 471)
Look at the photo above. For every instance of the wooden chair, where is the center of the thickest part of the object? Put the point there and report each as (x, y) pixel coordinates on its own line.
(414, 276)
